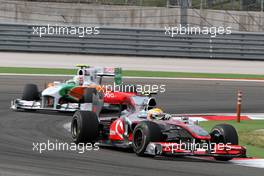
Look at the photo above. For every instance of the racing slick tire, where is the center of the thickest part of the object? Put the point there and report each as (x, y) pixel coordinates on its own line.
(31, 93)
(144, 133)
(84, 127)
(224, 133)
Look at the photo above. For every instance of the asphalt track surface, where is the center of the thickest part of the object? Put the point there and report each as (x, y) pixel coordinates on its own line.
(18, 130)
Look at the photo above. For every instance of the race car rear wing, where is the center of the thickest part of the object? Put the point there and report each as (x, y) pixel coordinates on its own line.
(102, 72)
(110, 71)
(106, 71)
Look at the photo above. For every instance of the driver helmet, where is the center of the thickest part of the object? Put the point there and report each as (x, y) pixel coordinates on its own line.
(78, 80)
(155, 113)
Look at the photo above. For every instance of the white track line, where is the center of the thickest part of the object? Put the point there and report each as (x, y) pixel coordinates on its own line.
(136, 77)
(259, 163)
(249, 162)
(22, 74)
(200, 79)
(199, 117)
(67, 126)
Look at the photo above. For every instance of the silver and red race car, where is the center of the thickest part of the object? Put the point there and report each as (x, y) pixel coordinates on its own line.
(149, 131)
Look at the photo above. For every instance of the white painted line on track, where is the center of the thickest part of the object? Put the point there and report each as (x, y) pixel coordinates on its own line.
(201, 79)
(256, 116)
(249, 162)
(138, 77)
(22, 74)
(199, 116)
(259, 163)
(67, 126)
(200, 119)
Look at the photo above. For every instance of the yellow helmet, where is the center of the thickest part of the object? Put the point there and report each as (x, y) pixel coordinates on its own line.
(154, 112)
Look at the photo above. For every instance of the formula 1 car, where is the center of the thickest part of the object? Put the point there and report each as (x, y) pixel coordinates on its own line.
(155, 134)
(74, 94)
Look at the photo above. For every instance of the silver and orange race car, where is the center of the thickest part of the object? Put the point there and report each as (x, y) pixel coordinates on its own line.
(76, 93)
(149, 131)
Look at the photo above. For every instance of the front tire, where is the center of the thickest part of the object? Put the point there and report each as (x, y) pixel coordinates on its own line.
(144, 133)
(85, 127)
(31, 93)
(224, 133)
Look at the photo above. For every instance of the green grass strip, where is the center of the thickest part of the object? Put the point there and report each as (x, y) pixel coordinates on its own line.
(133, 73)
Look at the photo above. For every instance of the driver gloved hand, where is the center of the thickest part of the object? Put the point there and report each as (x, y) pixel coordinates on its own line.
(167, 116)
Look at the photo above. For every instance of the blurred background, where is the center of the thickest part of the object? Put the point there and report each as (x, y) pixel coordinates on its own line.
(136, 27)
(241, 15)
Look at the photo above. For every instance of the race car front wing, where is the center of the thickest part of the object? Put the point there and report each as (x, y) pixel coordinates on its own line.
(168, 148)
(19, 104)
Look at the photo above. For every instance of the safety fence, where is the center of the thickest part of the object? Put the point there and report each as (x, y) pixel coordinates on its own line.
(138, 42)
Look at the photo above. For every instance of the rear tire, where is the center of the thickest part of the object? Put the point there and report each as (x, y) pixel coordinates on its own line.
(224, 133)
(85, 127)
(144, 133)
(31, 93)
